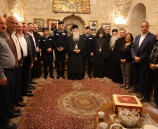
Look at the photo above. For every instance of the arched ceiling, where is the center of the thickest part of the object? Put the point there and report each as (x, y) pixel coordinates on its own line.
(12, 4)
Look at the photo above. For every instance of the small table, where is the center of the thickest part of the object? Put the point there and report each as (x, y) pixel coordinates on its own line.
(108, 109)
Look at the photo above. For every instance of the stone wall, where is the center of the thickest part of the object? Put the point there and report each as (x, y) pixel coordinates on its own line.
(101, 10)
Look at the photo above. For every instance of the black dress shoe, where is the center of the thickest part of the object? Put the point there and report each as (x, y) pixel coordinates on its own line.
(28, 94)
(90, 76)
(144, 100)
(58, 77)
(21, 99)
(63, 77)
(45, 77)
(15, 114)
(31, 87)
(10, 125)
(122, 86)
(52, 76)
(29, 91)
(20, 104)
(32, 82)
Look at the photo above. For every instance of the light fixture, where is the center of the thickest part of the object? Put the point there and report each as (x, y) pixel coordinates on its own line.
(120, 20)
(19, 18)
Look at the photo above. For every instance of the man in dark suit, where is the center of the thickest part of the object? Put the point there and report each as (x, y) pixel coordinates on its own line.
(89, 52)
(60, 44)
(140, 53)
(152, 80)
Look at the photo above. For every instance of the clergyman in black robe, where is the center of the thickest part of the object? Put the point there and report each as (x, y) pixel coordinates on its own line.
(75, 55)
(100, 54)
(116, 66)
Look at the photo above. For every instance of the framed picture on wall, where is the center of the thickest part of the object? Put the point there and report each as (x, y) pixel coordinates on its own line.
(105, 25)
(40, 23)
(52, 24)
(93, 25)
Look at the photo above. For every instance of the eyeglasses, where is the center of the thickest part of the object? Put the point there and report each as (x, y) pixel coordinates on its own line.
(14, 23)
(144, 26)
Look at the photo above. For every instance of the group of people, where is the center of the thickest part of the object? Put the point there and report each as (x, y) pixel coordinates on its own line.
(19, 64)
(119, 56)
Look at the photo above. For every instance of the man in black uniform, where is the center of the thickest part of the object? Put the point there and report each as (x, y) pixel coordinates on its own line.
(46, 45)
(60, 44)
(89, 42)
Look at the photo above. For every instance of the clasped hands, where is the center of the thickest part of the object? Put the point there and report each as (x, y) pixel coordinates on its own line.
(49, 50)
(137, 59)
(60, 48)
(76, 50)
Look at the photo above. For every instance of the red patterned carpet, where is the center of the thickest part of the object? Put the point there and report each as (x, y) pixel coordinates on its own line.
(66, 104)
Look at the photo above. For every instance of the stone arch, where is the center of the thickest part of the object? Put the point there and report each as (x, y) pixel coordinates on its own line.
(73, 19)
(138, 14)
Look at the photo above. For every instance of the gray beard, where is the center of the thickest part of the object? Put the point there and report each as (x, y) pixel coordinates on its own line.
(112, 41)
(76, 36)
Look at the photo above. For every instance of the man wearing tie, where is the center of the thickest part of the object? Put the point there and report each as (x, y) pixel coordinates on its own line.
(141, 53)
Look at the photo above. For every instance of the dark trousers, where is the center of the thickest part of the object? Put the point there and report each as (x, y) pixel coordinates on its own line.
(139, 75)
(151, 82)
(6, 96)
(89, 60)
(36, 70)
(17, 89)
(60, 62)
(48, 61)
(25, 74)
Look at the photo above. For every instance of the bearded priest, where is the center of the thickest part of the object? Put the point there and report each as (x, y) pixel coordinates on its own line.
(75, 55)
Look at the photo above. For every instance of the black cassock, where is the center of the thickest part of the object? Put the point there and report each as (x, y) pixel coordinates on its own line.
(115, 61)
(75, 60)
(100, 56)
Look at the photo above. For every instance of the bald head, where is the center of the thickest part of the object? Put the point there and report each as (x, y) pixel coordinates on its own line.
(12, 23)
(3, 24)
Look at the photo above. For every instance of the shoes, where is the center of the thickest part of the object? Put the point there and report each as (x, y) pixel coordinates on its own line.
(144, 100)
(132, 91)
(58, 77)
(122, 86)
(63, 77)
(139, 95)
(10, 125)
(45, 77)
(31, 87)
(21, 104)
(21, 99)
(90, 76)
(32, 82)
(29, 91)
(16, 110)
(15, 114)
(28, 94)
(52, 76)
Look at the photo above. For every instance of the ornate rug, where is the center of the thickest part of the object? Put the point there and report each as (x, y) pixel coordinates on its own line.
(67, 104)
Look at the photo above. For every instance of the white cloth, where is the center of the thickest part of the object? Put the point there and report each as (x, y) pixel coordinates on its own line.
(23, 44)
(17, 45)
(142, 38)
(33, 38)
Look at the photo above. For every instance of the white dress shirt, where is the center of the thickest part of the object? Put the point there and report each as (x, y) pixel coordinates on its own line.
(23, 44)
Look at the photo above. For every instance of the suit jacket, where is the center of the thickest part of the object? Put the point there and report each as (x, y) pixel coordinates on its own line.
(143, 52)
(34, 55)
(29, 47)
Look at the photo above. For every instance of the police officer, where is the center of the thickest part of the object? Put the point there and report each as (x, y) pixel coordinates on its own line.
(60, 44)
(46, 46)
(89, 42)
